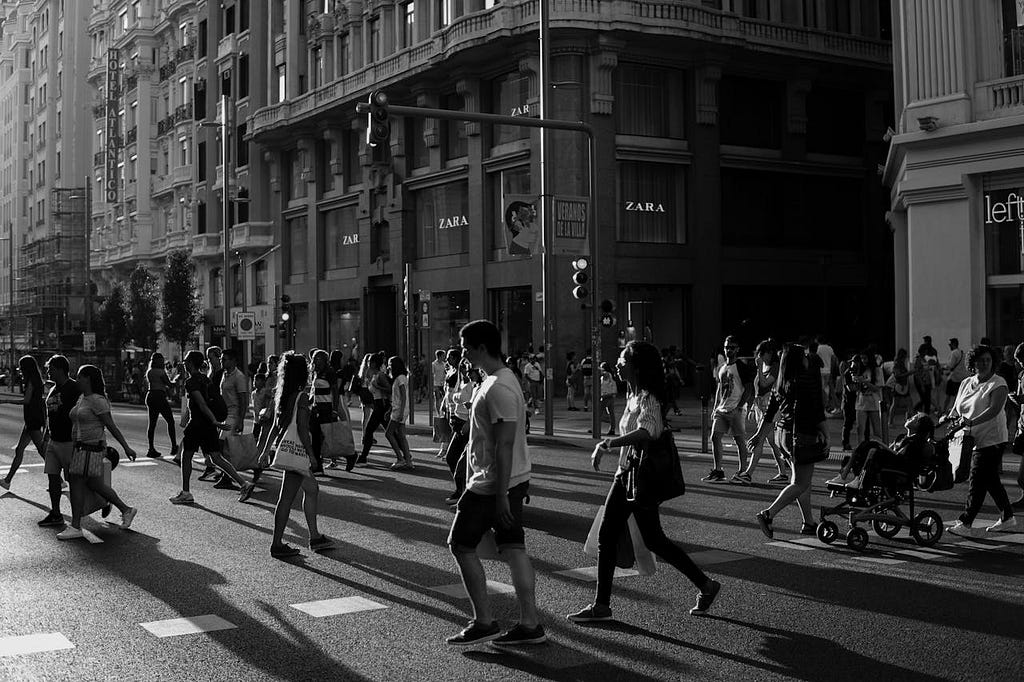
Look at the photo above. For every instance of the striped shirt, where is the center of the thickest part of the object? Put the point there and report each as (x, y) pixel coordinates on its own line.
(643, 411)
(320, 395)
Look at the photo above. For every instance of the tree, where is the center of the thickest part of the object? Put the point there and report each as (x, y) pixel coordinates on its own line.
(181, 309)
(113, 322)
(142, 302)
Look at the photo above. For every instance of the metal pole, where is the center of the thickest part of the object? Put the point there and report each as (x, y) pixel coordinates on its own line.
(88, 254)
(408, 341)
(547, 309)
(226, 218)
(595, 329)
(10, 294)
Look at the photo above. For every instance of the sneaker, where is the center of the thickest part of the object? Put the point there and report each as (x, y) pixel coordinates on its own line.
(70, 533)
(964, 530)
(209, 473)
(765, 522)
(52, 520)
(350, 463)
(591, 614)
(105, 512)
(397, 466)
(1002, 525)
(475, 633)
(333, 465)
(321, 543)
(520, 635)
(128, 517)
(740, 479)
(839, 480)
(778, 478)
(284, 551)
(5, 485)
(706, 599)
(174, 452)
(183, 498)
(808, 529)
(153, 454)
(225, 483)
(715, 476)
(246, 492)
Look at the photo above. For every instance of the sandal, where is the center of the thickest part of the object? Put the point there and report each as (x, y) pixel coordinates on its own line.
(283, 552)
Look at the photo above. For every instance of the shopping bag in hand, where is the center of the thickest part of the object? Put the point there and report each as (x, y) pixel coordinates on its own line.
(338, 440)
(625, 546)
(240, 449)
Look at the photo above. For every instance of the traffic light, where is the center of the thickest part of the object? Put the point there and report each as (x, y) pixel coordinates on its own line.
(378, 129)
(607, 313)
(286, 309)
(580, 277)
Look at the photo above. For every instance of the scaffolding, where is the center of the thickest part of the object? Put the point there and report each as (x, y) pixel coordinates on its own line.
(53, 269)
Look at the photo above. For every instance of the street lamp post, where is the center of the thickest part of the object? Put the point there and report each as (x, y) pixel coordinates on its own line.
(10, 289)
(225, 148)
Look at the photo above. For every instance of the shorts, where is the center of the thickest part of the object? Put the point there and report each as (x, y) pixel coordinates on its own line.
(203, 438)
(734, 422)
(475, 515)
(58, 457)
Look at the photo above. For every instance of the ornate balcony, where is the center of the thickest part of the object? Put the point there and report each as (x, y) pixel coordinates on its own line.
(131, 82)
(183, 114)
(206, 245)
(996, 99)
(227, 47)
(182, 175)
(167, 70)
(132, 136)
(252, 235)
(184, 54)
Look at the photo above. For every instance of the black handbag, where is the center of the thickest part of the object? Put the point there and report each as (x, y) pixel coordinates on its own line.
(654, 473)
(809, 448)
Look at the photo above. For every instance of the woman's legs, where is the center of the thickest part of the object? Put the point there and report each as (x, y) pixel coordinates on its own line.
(290, 484)
(649, 524)
(168, 415)
(862, 423)
(799, 488)
(985, 479)
(376, 419)
(77, 490)
(153, 411)
(403, 443)
(186, 468)
(225, 465)
(616, 513)
(97, 485)
(19, 454)
(391, 434)
(311, 504)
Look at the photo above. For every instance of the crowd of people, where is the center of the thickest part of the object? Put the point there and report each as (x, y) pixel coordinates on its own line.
(483, 401)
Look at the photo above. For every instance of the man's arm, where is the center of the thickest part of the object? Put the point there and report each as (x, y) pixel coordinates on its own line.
(504, 440)
(243, 403)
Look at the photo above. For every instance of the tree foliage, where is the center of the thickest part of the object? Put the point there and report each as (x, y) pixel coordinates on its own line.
(142, 305)
(181, 310)
(114, 318)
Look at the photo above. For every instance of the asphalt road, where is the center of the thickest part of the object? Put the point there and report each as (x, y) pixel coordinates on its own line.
(793, 609)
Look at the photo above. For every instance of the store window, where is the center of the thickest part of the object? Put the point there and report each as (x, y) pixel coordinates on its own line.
(420, 152)
(750, 112)
(648, 101)
(1013, 37)
(507, 186)
(442, 219)
(259, 283)
(1003, 222)
(512, 312)
(652, 204)
(343, 322)
(341, 238)
(510, 95)
(297, 240)
(449, 312)
(1005, 314)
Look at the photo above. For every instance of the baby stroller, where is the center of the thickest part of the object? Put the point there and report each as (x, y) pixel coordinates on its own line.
(889, 476)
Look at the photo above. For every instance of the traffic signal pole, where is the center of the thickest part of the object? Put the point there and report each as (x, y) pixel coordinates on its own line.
(546, 224)
(549, 124)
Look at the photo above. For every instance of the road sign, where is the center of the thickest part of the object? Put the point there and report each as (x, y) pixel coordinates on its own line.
(607, 320)
(246, 326)
(218, 330)
(89, 342)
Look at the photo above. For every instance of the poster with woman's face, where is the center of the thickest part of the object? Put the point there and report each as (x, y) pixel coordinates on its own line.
(522, 230)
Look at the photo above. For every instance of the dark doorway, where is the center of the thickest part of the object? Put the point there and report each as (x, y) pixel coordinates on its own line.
(381, 320)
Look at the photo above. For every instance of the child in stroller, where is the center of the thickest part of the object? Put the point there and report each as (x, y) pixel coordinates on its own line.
(877, 479)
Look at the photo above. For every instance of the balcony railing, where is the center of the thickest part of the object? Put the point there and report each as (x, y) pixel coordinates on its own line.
(98, 159)
(167, 70)
(182, 113)
(132, 136)
(1004, 97)
(181, 175)
(227, 46)
(184, 53)
(165, 125)
(206, 245)
(256, 235)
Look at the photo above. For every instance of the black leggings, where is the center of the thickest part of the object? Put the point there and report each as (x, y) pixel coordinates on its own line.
(616, 512)
(455, 453)
(985, 479)
(156, 402)
(377, 419)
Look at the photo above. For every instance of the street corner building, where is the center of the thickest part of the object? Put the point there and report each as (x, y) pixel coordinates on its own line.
(956, 171)
(737, 153)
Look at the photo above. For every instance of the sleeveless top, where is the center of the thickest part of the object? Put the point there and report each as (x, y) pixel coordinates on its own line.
(320, 395)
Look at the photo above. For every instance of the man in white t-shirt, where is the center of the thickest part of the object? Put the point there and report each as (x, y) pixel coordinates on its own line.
(438, 371)
(735, 392)
(956, 372)
(497, 482)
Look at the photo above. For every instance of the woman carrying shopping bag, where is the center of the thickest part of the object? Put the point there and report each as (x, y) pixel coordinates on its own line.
(641, 425)
(292, 451)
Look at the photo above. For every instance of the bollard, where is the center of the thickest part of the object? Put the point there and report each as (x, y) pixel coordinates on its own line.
(704, 426)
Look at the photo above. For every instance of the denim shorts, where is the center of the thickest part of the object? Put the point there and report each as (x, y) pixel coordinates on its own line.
(476, 514)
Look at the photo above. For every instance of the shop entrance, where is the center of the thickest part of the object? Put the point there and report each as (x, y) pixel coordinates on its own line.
(381, 320)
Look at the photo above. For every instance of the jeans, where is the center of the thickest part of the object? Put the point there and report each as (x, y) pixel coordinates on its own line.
(985, 479)
(377, 418)
(616, 512)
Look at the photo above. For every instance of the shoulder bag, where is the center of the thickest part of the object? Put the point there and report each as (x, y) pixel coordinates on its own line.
(290, 454)
(654, 474)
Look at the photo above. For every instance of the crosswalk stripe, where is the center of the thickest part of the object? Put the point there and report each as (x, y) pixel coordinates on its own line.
(175, 627)
(138, 464)
(967, 544)
(879, 560)
(589, 573)
(93, 540)
(791, 545)
(336, 607)
(458, 590)
(31, 644)
(920, 554)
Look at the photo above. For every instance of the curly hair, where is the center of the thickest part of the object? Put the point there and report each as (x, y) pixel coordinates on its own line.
(292, 377)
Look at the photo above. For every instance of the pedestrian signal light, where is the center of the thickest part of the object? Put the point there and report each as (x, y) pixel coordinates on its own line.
(378, 129)
(607, 306)
(580, 277)
(286, 307)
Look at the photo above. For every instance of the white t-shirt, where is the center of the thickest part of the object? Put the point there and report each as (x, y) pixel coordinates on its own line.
(396, 398)
(499, 399)
(957, 366)
(731, 378)
(440, 370)
(973, 398)
(532, 371)
(827, 355)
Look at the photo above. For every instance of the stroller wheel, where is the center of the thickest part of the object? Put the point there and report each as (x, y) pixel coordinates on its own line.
(857, 539)
(885, 529)
(827, 532)
(927, 528)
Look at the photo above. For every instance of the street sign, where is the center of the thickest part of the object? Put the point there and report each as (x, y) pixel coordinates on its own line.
(571, 218)
(246, 326)
(89, 342)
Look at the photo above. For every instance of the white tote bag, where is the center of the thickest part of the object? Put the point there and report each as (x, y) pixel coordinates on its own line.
(645, 563)
(290, 454)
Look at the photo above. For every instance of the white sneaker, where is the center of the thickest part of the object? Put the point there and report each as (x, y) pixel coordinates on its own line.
(962, 529)
(70, 533)
(128, 517)
(183, 498)
(838, 480)
(1003, 524)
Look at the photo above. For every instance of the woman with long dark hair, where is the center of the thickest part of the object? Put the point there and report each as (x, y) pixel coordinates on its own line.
(380, 391)
(156, 402)
(642, 422)
(800, 404)
(33, 404)
(324, 396)
(395, 430)
(766, 358)
(90, 417)
(291, 424)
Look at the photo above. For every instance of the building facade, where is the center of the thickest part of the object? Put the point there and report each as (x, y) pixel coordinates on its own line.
(956, 171)
(737, 154)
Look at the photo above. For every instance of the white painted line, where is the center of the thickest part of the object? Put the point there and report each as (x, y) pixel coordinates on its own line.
(138, 464)
(32, 644)
(967, 544)
(458, 590)
(187, 626)
(879, 560)
(791, 545)
(589, 574)
(337, 607)
(928, 555)
(93, 540)
(812, 542)
(1012, 538)
(944, 552)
